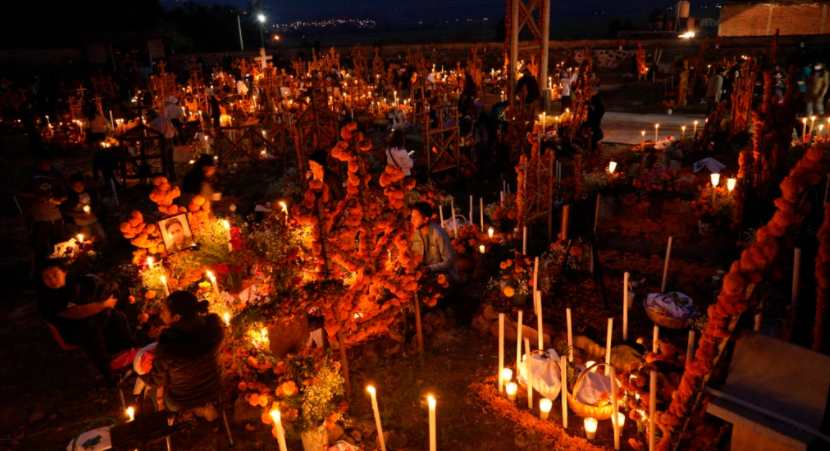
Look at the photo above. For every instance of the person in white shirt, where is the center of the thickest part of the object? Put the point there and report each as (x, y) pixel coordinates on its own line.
(566, 80)
(161, 124)
(396, 153)
(174, 112)
(96, 128)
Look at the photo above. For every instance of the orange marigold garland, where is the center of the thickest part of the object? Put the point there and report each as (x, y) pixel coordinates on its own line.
(821, 334)
(734, 299)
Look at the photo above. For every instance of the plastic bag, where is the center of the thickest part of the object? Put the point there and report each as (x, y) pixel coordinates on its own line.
(674, 304)
(592, 387)
(547, 378)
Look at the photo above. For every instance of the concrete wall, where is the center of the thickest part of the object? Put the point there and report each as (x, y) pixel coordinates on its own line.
(762, 19)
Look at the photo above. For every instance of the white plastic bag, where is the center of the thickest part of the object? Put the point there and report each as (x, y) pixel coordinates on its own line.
(592, 386)
(547, 378)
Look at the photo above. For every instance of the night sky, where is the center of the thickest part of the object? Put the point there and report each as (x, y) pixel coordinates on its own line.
(395, 11)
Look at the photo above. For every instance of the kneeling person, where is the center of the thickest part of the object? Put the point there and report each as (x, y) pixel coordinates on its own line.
(433, 242)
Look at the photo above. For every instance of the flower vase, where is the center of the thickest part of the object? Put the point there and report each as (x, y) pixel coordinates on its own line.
(315, 439)
(655, 208)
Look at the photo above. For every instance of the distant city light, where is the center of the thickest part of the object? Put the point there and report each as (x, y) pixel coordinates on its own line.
(359, 23)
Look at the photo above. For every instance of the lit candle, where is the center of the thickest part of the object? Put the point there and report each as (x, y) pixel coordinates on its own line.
(501, 351)
(666, 266)
(373, 393)
(130, 414)
(432, 427)
(608, 340)
(612, 166)
(590, 428)
(804, 129)
(166, 287)
(481, 248)
(730, 183)
(615, 407)
(656, 128)
(655, 338)
(490, 233)
(625, 307)
(715, 179)
(512, 388)
(213, 282)
(278, 430)
(589, 364)
(652, 411)
(683, 131)
(227, 317)
(507, 375)
(149, 262)
(644, 137)
(694, 131)
(570, 336)
(228, 233)
(80, 238)
(87, 209)
(545, 405)
(812, 123)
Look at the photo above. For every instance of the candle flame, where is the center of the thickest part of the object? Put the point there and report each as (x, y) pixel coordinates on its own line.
(81, 237)
(150, 262)
(275, 414)
(210, 275)
(371, 390)
(284, 207)
(264, 333)
(164, 280)
(545, 405)
(431, 401)
(130, 413)
(227, 319)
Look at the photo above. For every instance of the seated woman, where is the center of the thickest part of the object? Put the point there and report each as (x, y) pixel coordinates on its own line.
(188, 361)
(82, 310)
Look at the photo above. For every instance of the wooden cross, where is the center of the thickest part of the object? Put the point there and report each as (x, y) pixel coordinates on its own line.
(81, 90)
(263, 58)
(161, 65)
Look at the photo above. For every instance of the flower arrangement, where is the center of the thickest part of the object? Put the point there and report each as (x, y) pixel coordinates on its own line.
(514, 282)
(550, 264)
(714, 205)
(655, 183)
(307, 388)
(508, 210)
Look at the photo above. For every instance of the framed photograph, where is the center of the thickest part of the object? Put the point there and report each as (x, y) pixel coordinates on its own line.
(176, 233)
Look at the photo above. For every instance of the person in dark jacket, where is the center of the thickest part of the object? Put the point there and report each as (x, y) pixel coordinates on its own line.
(188, 360)
(200, 180)
(528, 82)
(82, 310)
(318, 169)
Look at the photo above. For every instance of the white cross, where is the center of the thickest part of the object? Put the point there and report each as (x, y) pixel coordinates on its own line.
(262, 58)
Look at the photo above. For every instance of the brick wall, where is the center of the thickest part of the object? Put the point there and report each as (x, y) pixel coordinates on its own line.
(762, 19)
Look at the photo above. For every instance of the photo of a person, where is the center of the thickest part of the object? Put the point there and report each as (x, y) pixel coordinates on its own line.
(176, 234)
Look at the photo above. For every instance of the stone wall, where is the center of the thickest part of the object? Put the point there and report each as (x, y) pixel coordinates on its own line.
(763, 19)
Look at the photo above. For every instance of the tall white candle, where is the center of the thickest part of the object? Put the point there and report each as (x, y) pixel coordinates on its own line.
(536, 273)
(570, 336)
(563, 369)
(690, 347)
(656, 127)
(666, 266)
(615, 408)
(541, 333)
(655, 338)
(652, 411)
(228, 234)
(279, 432)
(625, 307)
(373, 393)
(112, 122)
(519, 341)
(524, 240)
(501, 196)
(501, 351)
(441, 212)
(608, 340)
(471, 210)
(432, 427)
(481, 213)
(529, 379)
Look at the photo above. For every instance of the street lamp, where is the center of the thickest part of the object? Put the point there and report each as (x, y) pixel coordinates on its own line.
(261, 18)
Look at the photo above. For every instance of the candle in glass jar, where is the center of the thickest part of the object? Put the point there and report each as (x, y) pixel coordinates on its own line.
(507, 375)
(512, 388)
(545, 405)
(590, 428)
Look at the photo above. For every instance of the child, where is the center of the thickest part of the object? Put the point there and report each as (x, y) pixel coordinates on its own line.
(78, 210)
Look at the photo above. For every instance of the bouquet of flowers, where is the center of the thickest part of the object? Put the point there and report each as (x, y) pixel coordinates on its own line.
(499, 211)
(514, 282)
(714, 205)
(658, 182)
